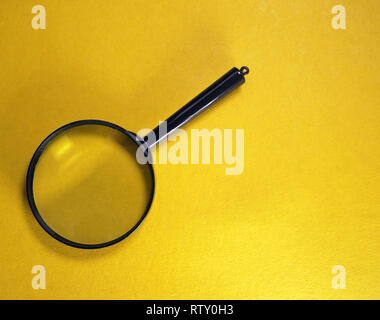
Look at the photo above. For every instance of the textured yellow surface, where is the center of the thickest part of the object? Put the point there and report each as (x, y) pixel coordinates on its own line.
(308, 198)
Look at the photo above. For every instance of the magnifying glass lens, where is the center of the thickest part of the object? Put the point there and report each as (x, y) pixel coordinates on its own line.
(88, 186)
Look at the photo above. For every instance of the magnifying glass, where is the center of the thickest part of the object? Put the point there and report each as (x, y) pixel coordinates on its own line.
(87, 185)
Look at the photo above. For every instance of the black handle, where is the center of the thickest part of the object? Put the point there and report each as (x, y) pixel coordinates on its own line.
(221, 87)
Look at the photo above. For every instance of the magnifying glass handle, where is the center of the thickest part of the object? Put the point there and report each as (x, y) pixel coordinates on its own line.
(221, 87)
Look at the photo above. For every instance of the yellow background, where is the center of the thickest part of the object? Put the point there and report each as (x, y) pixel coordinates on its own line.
(309, 195)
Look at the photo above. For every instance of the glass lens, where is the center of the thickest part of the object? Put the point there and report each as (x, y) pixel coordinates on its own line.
(88, 186)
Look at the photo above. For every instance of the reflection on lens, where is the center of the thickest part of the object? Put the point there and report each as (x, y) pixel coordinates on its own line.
(88, 186)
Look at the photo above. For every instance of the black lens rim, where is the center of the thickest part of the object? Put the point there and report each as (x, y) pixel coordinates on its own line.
(30, 176)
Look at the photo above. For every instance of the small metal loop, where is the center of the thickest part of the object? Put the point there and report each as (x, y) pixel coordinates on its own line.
(244, 70)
